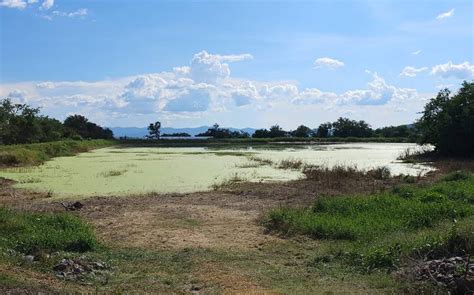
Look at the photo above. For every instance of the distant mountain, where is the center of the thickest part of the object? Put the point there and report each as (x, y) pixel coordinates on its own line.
(140, 132)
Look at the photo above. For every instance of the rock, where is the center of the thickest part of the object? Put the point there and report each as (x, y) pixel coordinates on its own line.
(72, 206)
(29, 258)
(60, 267)
(78, 268)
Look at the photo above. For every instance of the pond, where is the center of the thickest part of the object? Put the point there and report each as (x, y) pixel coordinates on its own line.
(122, 171)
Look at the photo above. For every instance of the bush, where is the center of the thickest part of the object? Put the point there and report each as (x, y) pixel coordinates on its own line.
(76, 137)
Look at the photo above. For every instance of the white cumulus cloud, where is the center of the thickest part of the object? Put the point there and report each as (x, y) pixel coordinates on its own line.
(463, 70)
(446, 14)
(81, 12)
(20, 4)
(209, 68)
(409, 71)
(328, 62)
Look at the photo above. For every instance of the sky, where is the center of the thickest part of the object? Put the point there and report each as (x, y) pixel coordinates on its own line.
(238, 63)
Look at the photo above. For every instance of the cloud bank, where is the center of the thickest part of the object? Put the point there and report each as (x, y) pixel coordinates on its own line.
(203, 88)
(463, 70)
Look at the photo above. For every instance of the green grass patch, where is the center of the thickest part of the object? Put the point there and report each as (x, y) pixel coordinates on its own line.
(37, 153)
(379, 230)
(363, 217)
(30, 233)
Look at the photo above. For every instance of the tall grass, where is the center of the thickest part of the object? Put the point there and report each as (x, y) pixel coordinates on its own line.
(37, 153)
(30, 233)
(405, 208)
(340, 172)
(379, 229)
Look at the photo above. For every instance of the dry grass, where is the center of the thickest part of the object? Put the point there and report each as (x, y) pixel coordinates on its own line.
(343, 172)
(235, 178)
(294, 164)
(330, 174)
(261, 161)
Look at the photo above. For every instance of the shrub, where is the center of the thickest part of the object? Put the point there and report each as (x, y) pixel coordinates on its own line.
(76, 137)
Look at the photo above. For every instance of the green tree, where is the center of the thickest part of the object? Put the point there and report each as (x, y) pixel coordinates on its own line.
(345, 127)
(394, 131)
(18, 123)
(277, 131)
(216, 132)
(154, 130)
(447, 121)
(302, 131)
(80, 125)
(324, 130)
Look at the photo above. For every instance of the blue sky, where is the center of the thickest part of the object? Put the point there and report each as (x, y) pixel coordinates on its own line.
(239, 63)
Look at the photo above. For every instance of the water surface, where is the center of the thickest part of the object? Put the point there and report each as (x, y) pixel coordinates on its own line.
(121, 171)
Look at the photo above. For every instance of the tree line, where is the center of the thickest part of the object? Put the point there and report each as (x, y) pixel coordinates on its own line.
(343, 127)
(20, 123)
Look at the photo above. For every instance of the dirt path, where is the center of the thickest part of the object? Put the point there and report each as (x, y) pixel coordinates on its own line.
(176, 223)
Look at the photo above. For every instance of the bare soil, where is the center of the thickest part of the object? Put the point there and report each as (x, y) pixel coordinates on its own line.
(224, 219)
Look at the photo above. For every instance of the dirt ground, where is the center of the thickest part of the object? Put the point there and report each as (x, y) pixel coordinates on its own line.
(226, 219)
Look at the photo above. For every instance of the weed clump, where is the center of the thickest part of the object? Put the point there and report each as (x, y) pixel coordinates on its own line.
(294, 164)
(335, 173)
(340, 172)
(380, 173)
(233, 179)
